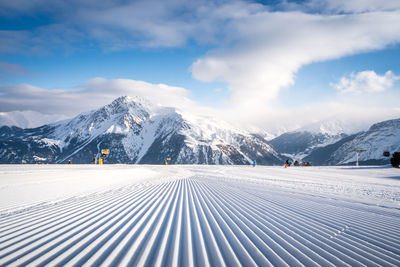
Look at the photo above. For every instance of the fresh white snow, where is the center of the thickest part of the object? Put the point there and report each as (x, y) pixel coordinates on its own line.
(188, 215)
(26, 185)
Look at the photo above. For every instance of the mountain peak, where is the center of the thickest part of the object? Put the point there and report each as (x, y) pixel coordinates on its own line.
(330, 126)
(127, 103)
(127, 99)
(122, 99)
(137, 131)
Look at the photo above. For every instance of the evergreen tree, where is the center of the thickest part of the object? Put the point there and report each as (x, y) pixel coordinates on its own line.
(395, 160)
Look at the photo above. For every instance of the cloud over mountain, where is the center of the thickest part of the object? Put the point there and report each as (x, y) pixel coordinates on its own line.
(96, 92)
(253, 48)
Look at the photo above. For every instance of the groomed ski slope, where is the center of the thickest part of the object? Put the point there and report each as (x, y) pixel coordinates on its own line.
(129, 215)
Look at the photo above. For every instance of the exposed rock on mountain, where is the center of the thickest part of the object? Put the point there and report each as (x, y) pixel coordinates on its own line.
(136, 131)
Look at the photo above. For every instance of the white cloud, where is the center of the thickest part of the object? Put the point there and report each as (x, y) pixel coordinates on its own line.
(366, 82)
(270, 47)
(58, 104)
(28, 118)
(120, 25)
(354, 5)
(256, 51)
(95, 93)
(357, 115)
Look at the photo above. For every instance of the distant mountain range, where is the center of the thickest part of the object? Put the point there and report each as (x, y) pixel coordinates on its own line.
(336, 149)
(381, 137)
(136, 131)
(300, 144)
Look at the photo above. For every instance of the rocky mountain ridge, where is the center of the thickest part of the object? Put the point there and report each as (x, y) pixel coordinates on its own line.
(136, 132)
(139, 132)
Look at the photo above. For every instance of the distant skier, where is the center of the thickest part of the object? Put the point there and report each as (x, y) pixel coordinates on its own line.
(287, 164)
(70, 161)
(254, 163)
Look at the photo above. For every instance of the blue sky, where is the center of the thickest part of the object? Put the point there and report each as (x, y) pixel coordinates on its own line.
(272, 64)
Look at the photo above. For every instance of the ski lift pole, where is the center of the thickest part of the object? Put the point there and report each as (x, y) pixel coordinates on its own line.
(357, 151)
(357, 158)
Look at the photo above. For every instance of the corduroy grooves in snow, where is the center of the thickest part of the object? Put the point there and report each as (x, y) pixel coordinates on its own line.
(121, 215)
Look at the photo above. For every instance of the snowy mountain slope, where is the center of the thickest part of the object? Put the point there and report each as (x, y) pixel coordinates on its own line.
(136, 132)
(328, 145)
(27, 145)
(323, 155)
(383, 136)
(300, 144)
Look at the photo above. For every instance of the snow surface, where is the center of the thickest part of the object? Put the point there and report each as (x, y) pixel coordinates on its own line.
(131, 215)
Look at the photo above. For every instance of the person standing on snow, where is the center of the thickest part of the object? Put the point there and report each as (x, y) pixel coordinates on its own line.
(287, 163)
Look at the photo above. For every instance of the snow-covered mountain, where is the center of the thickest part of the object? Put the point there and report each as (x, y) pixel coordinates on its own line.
(299, 144)
(136, 131)
(322, 136)
(381, 137)
(334, 126)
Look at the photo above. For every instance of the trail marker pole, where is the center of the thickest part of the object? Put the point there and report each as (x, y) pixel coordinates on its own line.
(357, 151)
